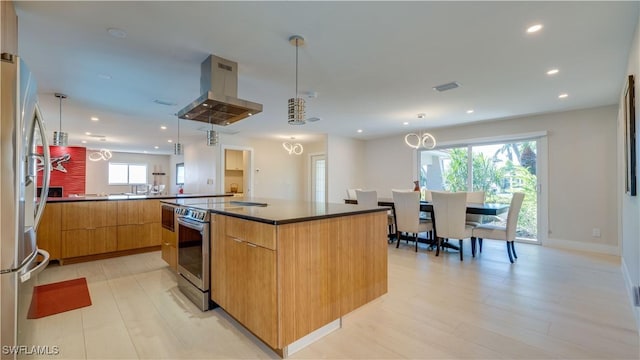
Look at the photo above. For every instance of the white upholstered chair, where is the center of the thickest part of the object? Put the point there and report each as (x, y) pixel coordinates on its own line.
(449, 210)
(478, 198)
(351, 194)
(506, 233)
(368, 198)
(407, 207)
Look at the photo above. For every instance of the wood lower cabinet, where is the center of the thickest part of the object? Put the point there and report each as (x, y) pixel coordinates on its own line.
(49, 235)
(169, 248)
(139, 236)
(88, 242)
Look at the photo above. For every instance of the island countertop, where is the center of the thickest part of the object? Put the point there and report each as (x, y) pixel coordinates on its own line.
(131, 197)
(276, 211)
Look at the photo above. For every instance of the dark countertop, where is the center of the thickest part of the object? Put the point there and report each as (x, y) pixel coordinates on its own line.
(277, 211)
(131, 197)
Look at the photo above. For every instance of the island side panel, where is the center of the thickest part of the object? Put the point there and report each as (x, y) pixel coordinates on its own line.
(308, 277)
(363, 260)
(327, 268)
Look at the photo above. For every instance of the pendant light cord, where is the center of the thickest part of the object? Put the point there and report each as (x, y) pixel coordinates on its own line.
(60, 124)
(178, 130)
(296, 68)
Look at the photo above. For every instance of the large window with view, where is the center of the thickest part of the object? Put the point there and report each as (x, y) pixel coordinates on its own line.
(127, 174)
(498, 169)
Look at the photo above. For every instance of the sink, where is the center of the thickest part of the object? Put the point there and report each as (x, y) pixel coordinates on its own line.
(247, 203)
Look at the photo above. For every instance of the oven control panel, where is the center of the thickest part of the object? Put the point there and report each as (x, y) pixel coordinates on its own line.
(194, 214)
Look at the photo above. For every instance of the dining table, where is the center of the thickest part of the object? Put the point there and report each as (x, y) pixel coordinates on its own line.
(493, 209)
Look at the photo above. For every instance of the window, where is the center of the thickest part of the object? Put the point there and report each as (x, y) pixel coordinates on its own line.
(180, 174)
(127, 174)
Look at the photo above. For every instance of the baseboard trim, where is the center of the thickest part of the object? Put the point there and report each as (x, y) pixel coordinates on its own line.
(629, 285)
(582, 246)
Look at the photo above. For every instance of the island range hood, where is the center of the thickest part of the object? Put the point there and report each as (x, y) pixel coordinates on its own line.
(219, 100)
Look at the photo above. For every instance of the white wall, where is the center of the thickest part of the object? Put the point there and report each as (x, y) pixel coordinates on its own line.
(173, 161)
(276, 173)
(200, 166)
(345, 167)
(97, 180)
(582, 152)
(630, 234)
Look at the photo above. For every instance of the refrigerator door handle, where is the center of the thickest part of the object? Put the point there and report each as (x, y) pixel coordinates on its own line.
(27, 275)
(46, 171)
(24, 264)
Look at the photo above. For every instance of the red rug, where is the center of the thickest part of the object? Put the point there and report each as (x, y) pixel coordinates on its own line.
(59, 297)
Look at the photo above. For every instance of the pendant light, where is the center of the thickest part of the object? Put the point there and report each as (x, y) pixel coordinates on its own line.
(296, 113)
(177, 147)
(293, 148)
(60, 138)
(212, 135)
(420, 140)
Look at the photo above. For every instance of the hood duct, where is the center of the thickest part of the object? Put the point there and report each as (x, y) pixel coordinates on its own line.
(219, 101)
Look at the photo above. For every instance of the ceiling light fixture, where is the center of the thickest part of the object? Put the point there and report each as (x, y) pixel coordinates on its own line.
(421, 140)
(563, 95)
(60, 138)
(534, 28)
(553, 72)
(163, 127)
(93, 118)
(293, 148)
(470, 111)
(103, 154)
(212, 135)
(359, 131)
(296, 113)
(177, 147)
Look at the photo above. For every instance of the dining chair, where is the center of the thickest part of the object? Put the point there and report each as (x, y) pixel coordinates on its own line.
(478, 198)
(351, 193)
(449, 210)
(407, 208)
(370, 198)
(506, 233)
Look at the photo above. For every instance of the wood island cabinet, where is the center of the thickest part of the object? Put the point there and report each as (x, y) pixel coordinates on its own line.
(170, 248)
(285, 281)
(49, 236)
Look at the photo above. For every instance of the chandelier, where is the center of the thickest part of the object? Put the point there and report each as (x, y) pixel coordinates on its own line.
(296, 113)
(293, 148)
(60, 138)
(422, 139)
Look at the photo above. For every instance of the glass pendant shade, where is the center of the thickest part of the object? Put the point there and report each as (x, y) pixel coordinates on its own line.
(177, 149)
(212, 137)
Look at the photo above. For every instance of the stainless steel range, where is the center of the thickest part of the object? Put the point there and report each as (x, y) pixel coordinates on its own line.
(194, 255)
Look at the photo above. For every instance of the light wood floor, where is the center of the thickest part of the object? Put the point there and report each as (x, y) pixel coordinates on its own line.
(550, 304)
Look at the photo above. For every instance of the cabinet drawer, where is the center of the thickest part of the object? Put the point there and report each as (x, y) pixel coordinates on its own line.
(251, 231)
(88, 242)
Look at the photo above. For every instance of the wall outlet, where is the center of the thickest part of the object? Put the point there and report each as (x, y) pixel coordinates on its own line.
(595, 232)
(209, 181)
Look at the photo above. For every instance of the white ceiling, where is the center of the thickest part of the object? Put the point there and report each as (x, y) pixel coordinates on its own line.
(372, 64)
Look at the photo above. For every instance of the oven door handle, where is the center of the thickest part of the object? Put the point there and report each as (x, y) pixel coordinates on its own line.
(191, 224)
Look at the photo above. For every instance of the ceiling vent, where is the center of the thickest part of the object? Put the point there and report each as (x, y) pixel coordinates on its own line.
(448, 86)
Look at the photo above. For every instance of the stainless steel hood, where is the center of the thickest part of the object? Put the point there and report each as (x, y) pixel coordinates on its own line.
(219, 100)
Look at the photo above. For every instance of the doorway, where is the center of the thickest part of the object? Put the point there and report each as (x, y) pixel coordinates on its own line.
(318, 178)
(236, 164)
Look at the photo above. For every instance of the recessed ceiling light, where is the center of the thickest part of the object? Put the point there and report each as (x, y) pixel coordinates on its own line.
(359, 130)
(553, 72)
(93, 118)
(104, 76)
(117, 33)
(84, 141)
(470, 111)
(563, 95)
(163, 127)
(405, 123)
(88, 133)
(156, 147)
(534, 28)
(250, 114)
(170, 140)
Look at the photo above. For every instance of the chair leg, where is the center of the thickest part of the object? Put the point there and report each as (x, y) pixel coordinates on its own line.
(513, 249)
(509, 252)
(438, 246)
(416, 239)
(460, 249)
(397, 239)
(473, 246)
(480, 242)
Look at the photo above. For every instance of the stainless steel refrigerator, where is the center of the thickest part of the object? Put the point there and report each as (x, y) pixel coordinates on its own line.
(21, 131)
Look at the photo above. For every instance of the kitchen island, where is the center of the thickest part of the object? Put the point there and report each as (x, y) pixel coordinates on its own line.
(81, 228)
(290, 270)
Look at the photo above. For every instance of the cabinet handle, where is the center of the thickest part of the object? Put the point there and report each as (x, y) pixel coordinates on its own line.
(252, 245)
(236, 239)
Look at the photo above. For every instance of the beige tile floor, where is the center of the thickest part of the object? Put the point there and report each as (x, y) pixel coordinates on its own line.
(550, 304)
